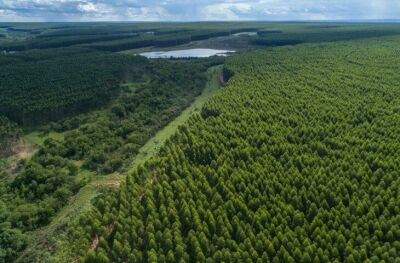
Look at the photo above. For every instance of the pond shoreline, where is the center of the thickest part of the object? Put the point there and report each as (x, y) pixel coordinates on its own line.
(187, 53)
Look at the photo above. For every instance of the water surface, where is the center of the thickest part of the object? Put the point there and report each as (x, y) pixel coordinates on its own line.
(187, 53)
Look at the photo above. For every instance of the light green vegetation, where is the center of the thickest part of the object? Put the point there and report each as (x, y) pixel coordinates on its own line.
(4, 163)
(38, 138)
(132, 86)
(81, 202)
(26, 147)
(154, 144)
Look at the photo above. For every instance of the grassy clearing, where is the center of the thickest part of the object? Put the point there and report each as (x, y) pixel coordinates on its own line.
(154, 144)
(39, 138)
(82, 201)
(132, 86)
(25, 148)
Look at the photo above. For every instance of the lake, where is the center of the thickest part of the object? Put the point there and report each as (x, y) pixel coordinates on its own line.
(9, 52)
(187, 53)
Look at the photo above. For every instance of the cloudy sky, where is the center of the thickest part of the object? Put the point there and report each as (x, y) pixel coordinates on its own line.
(191, 10)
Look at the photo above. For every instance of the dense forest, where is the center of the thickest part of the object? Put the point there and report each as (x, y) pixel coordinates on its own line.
(296, 160)
(61, 72)
(124, 36)
(321, 33)
(37, 90)
(102, 142)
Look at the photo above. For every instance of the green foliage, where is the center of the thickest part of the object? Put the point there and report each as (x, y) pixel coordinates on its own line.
(295, 160)
(9, 134)
(35, 91)
(11, 241)
(124, 36)
(106, 140)
(316, 33)
(8, 129)
(101, 141)
(65, 41)
(160, 40)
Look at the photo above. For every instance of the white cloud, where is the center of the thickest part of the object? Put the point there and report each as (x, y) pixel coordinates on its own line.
(181, 10)
(88, 7)
(8, 15)
(96, 11)
(224, 11)
(147, 13)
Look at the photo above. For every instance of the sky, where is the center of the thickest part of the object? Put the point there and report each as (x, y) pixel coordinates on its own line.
(195, 10)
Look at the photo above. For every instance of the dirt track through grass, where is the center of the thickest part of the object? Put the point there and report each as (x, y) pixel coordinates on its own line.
(154, 144)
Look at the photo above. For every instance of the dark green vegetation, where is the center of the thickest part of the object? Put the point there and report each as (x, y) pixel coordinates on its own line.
(9, 134)
(36, 89)
(163, 40)
(105, 106)
(102, 141)
(296, 160)
(315, 33)
(123, 36)
(47, 81)
(69, 71)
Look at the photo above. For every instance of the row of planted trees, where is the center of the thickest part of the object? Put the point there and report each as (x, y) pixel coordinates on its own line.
(41, 86)
(296, 160)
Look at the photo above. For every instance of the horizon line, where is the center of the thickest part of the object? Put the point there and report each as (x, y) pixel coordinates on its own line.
(383, 20)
